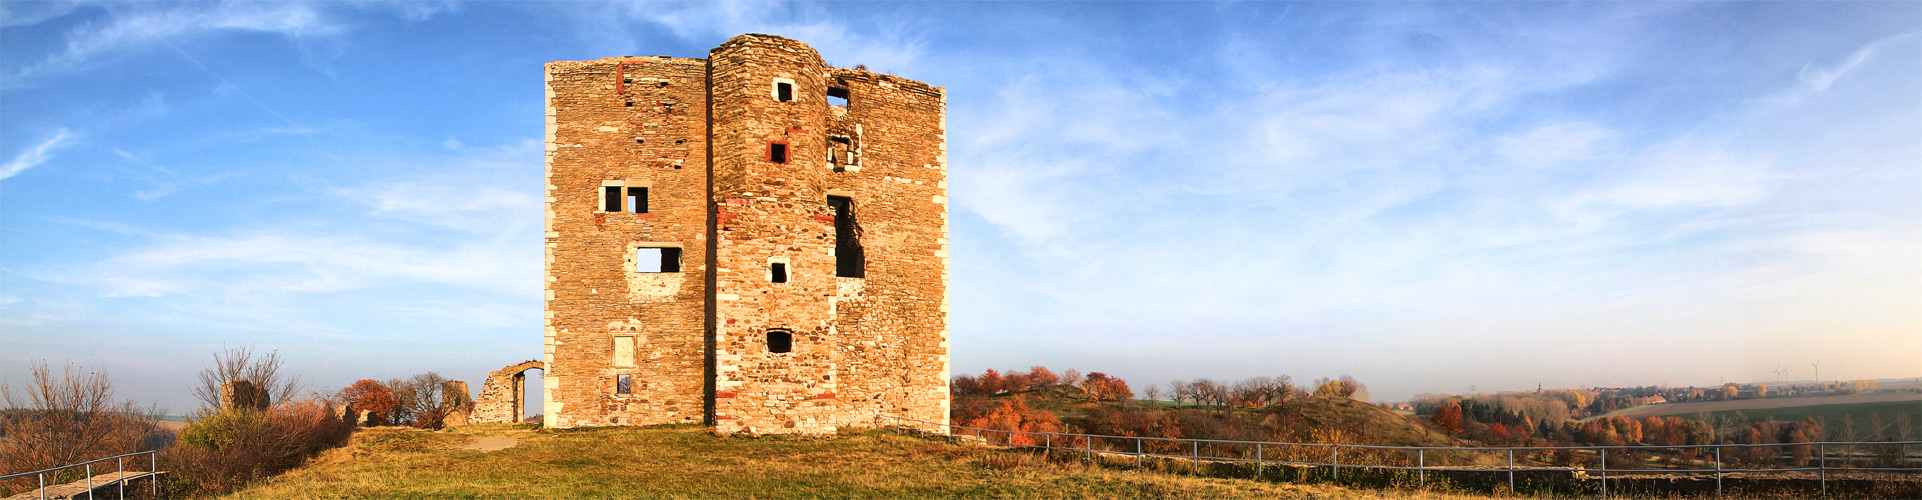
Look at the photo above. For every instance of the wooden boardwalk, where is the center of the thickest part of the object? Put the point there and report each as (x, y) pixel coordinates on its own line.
(106, 485)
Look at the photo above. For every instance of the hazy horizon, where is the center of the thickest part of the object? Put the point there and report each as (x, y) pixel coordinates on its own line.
(1430, 197)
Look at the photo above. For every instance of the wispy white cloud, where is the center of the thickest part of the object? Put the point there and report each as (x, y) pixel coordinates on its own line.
(143, 27)
(40, 153)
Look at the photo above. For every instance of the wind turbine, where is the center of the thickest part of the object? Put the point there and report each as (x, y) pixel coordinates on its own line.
(1818, 370)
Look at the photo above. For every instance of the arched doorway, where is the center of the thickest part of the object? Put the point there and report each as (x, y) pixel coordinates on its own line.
(503, 398)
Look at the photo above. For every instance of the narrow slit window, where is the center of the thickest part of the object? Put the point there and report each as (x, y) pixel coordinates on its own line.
(848, 258)
(838, 96)
(783, 91)
(777, 272)
(777, 152)
(637, 199)
(611, 196)
(840, 152)
(657, 260)
(623, 384)
(780, 341)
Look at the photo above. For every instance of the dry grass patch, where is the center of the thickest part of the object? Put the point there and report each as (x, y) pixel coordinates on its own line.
(688, 462)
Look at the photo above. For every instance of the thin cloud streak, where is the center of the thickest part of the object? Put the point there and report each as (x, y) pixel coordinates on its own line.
(33, 157)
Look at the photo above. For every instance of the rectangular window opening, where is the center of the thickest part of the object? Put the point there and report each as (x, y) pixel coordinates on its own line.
(837, 96)
(780, 341)
(848, 259)
(611, 198)
(783, 91)
(657, 260)
(623, 384)
(777, 272)
(637, 199)
(777, 152)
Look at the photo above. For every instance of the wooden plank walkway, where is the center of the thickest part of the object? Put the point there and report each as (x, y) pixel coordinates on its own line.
(107, 485)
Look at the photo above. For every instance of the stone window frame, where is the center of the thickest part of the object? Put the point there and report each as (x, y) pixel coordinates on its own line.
(768, 270)
(633, 260)
(600, 195)
(787, 152)
(633, 351)
(774, 90)
(617, 384)
(768, 335)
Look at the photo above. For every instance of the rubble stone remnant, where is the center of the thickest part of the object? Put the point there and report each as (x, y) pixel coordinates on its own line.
(500, 397)
(242, 394)
(456, 406)
(755, 240)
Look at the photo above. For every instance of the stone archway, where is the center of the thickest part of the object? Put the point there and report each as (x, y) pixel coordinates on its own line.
(500, 397)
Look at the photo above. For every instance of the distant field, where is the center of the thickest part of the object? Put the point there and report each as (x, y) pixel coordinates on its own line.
(1749, 406)
(1863, 415)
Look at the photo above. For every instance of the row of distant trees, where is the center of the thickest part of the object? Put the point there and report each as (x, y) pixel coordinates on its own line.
(419, 401)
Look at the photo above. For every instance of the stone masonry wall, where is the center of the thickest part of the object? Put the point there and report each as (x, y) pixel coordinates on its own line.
(636, 122)
(861, 346)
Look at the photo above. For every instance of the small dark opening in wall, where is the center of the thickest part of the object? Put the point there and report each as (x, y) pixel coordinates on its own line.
(848, 259)
(657, 260)
(777, 152)
(778, 272)
(637, 199)
(837, 96)
(783, 91)
(623, 384)
(612, 198)
(780, 341)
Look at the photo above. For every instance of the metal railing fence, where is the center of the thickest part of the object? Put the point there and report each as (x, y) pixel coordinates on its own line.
(1892, 456)
(153, 466)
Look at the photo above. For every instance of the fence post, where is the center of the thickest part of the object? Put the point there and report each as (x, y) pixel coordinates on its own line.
(1090, 446)
(1047, 442)
(153, 473)
(1718, 471)
(1511, 471)
(122, 465)
(89, 481)
(1335, 450)
(1823, 466)
(1604, 472)
(1421, 468)
(43, 485)
(1197, 456)
(1257, 460)
(1137, 452)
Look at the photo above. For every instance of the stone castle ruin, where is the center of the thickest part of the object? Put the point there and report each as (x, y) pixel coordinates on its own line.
(755, 241)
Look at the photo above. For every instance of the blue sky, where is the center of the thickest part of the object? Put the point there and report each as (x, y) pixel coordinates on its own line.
(1427, 196)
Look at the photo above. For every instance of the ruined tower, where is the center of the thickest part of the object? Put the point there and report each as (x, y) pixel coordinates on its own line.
(754, 240)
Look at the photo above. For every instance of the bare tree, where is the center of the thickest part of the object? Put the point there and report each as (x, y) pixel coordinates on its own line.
(240, 363)
(425, 401)
(1152, 392)
(71, 418)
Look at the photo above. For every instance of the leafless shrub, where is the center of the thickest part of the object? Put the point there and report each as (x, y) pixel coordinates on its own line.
(65, 419)
(227, 449)
(240, 363)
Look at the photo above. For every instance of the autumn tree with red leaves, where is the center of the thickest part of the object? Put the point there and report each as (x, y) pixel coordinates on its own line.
(372, 396)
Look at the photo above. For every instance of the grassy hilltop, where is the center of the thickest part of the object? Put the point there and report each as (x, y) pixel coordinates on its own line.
(688, 462)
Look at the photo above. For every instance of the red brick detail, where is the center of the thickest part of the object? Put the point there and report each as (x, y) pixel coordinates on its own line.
(723, 395)
(794, 131)
(645, 216)
(723, 417)
(730, 321)
(825, 218)
(825, 395)
(600, 220)
(736, 201)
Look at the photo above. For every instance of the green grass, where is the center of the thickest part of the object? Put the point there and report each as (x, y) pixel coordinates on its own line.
(1832, 416)
(688, 462)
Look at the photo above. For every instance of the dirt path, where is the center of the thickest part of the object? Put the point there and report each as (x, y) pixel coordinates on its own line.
(1694, 407)
(491, 444)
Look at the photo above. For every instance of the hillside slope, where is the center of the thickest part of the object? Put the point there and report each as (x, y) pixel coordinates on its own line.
(1375, 425)
(688, 462)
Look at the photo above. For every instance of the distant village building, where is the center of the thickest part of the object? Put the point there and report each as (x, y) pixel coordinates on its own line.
(755, 240)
